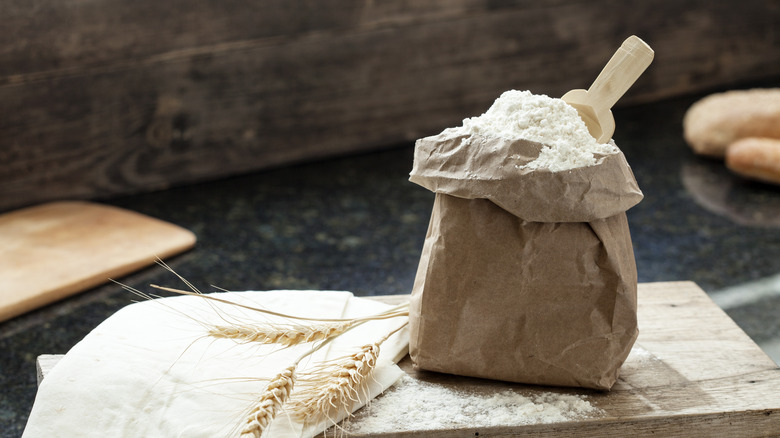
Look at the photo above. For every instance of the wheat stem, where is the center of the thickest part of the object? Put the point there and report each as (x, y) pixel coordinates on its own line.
(390, 313)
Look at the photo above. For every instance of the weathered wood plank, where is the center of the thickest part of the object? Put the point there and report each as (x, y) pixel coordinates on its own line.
(108, 97)
(742, 425)
(44, 364)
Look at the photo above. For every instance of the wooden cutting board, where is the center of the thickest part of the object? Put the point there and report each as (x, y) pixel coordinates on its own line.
(692, 373)
(54, 250)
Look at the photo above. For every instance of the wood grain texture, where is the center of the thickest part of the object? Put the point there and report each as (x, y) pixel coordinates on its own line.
(58, 249)
(44, 363)
(693, 373)
(107, 97)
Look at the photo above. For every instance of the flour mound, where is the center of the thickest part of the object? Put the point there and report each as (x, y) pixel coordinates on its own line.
(519, 115)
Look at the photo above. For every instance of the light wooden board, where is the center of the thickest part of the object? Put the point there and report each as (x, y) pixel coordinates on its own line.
(55, 250)
(693, 373)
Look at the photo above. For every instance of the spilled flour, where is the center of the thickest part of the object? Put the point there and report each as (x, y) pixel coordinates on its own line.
(416, 405)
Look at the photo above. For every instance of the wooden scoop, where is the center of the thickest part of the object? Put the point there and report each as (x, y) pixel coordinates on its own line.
(622, 70)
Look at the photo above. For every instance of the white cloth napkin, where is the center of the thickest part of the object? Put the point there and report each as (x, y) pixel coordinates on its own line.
(149, 370)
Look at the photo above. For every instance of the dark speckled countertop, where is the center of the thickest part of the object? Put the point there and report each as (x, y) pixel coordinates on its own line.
(357, 224)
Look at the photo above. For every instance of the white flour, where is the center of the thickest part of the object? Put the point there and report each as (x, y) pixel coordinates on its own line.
(640, 355)
(415, 405)
(542, 119)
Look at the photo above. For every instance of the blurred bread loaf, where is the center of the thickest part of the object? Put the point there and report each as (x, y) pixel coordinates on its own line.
(716, 121)
(756, 158)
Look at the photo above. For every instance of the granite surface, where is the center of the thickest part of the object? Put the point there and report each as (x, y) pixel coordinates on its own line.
(356, 223)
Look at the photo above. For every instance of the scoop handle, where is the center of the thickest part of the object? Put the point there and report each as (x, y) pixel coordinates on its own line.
(623, 69)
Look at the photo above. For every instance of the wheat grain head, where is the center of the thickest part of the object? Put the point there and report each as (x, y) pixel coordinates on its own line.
(284, 334)
(270, 403)
(331, 388)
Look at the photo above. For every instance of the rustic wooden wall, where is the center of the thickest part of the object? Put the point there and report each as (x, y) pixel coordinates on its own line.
(103, 97)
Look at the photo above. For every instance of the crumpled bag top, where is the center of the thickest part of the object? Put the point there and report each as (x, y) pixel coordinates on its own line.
(476, 167)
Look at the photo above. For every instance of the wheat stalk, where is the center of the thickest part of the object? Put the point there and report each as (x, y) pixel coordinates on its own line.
(331, 388)
(270, 403)
(328, 390)
(287, 335)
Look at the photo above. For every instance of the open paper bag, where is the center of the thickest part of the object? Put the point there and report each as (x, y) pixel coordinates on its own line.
(525, 275)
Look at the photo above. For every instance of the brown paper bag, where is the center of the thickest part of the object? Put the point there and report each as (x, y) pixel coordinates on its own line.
(525, 276)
